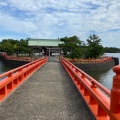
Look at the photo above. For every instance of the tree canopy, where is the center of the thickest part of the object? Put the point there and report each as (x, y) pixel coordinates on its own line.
(11, 46)
(71, 47)
(95, 49)
(111, 50)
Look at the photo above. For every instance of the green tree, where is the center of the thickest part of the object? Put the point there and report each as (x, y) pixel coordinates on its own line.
(7, 46)
(95, 49)
(11, 46)
(71, 47)
(23, 46)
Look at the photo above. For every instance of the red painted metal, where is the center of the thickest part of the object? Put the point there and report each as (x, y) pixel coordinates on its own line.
(13, 78)
(97, 97)
(115, 95)
(17, 58)
(101, 60)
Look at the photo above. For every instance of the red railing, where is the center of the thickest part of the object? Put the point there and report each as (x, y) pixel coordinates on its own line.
(100, 60)
(104, 104)
(17, 58)
(12, 79)
(20, 58)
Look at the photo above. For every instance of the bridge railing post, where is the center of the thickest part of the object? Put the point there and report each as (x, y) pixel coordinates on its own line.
(115, 95)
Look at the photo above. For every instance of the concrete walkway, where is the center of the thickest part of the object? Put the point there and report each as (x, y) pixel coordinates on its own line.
(49, 94)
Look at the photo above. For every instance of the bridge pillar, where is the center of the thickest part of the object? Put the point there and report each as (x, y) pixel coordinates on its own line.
(115, 95)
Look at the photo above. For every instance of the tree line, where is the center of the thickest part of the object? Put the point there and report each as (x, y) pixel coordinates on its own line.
(112, 50)
(11, 46)
(72, 47)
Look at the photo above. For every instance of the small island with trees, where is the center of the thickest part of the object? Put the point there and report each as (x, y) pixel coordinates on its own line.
(72, 47)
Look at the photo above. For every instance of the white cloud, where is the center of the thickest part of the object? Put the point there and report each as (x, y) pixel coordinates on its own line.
(13, 24)
(111, 39)
(59, 18)
(3, 3)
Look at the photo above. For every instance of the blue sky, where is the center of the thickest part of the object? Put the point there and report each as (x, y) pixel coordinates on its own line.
(52, 19)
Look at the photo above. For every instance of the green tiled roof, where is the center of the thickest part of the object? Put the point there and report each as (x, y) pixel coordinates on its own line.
(44, 42)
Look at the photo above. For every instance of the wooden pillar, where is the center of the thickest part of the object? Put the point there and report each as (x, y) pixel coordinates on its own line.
(49, 52)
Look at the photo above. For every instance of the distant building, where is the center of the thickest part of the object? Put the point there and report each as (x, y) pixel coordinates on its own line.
(45, 46)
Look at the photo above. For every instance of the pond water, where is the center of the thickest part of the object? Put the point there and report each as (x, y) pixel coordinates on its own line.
(105, 77)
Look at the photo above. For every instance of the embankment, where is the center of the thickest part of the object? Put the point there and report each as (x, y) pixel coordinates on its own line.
(97, 66)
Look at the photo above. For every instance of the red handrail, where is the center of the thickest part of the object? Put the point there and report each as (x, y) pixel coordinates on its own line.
(96, 95)
(90, 79)
(13, 78)
(101, 60)
(17, 58)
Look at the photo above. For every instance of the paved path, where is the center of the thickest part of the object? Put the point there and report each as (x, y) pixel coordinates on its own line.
(49, 94)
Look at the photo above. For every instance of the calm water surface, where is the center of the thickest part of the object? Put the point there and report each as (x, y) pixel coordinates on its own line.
(105, 77)
(4, 68)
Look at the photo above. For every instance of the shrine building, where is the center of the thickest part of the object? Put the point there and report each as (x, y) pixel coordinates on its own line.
(45, 46)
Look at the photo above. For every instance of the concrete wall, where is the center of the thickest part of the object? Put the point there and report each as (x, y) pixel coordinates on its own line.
(116, 60)
(96, 66)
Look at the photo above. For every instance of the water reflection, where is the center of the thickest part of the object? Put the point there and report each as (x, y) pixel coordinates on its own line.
(103, 77)
(5, 68)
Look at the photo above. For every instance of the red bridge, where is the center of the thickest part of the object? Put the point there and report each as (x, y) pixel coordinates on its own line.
(49, 93)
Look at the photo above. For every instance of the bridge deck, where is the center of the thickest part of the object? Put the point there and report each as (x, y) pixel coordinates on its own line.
(49, 94)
